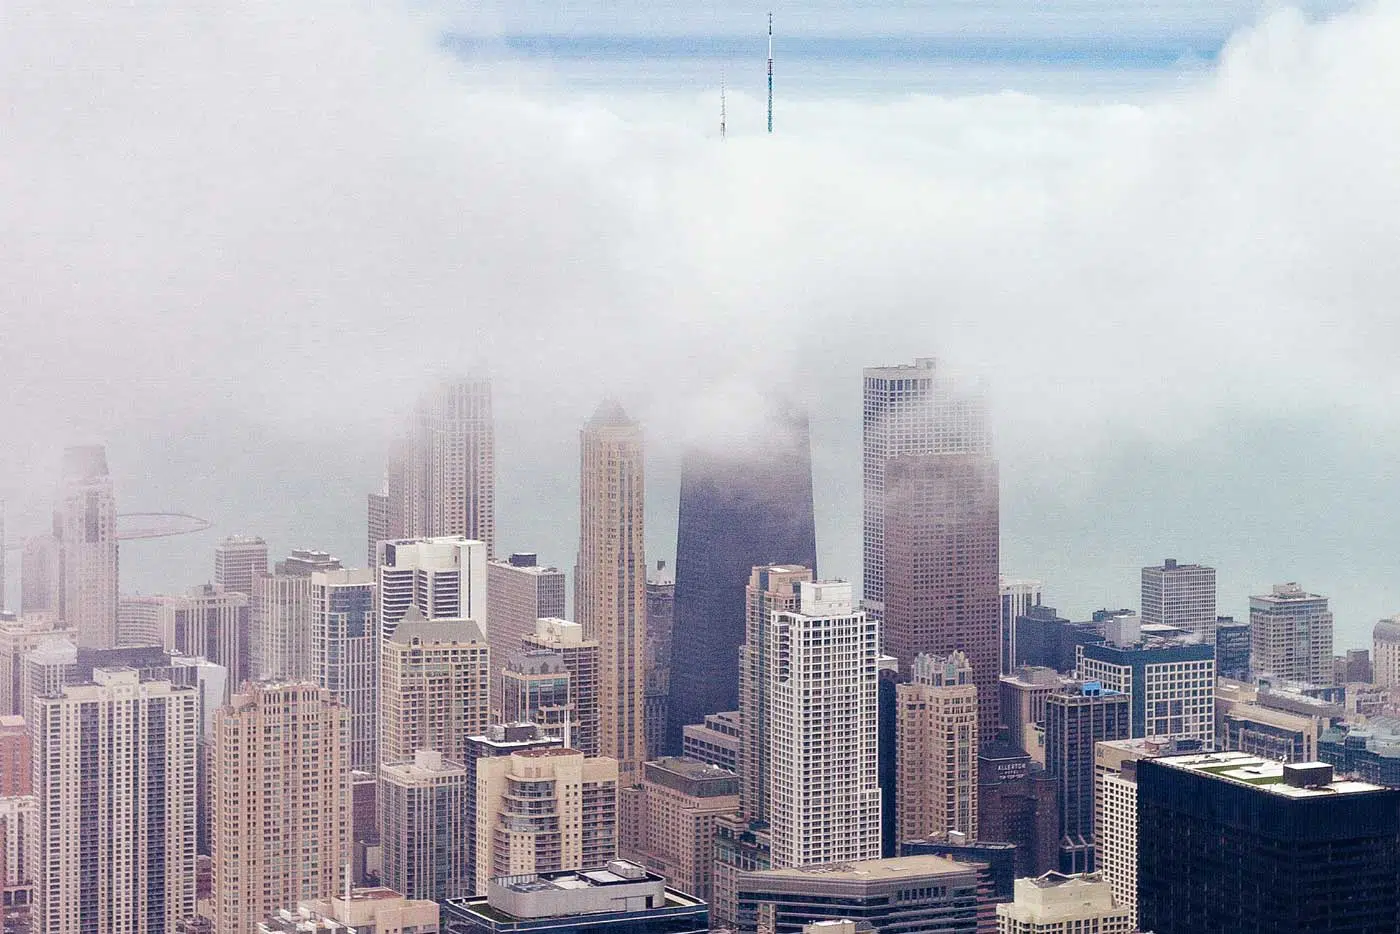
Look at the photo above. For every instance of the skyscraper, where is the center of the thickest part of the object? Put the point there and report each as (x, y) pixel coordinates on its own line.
(204, 622)
(611, 576)
(1385, 646)
(1059, 904)
(535, 688)
(423, 815)
(442, 473)
(909, 410)
(772, 589)
(582, 660)
(444, 577)
(824, 791)
(518, 592)
(281, 802)
(1076, 718)
(1017, 597)
(1180, 595)
(745, 501)
(941, 547)
(238, 561)
(674, 833)
(661, 631)
(1291, 635)
(114, 766)
(86, 526)
(937, 749)
(376, 525)
(433, 687)
(282, 615)
(1229, 842)
(40, 576)
(1171, 684)
(345, 649)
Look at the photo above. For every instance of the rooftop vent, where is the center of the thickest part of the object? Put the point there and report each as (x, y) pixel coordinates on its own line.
(1307, 774)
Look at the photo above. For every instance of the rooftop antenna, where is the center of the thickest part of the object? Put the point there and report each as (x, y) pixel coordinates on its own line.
(770, 71)
(721, 106)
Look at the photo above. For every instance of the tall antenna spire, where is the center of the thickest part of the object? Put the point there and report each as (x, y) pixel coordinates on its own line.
(770, 71)
(721, 112)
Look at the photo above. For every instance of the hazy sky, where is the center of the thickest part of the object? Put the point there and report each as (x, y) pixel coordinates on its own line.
(239, 241)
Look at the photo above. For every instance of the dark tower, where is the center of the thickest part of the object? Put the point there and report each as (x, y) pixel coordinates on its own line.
(742, 505)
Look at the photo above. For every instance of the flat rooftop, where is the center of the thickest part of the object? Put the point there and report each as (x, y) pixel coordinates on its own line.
(872, 870)
(1266, 774)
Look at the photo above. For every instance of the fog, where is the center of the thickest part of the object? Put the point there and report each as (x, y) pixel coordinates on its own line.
(239, 242)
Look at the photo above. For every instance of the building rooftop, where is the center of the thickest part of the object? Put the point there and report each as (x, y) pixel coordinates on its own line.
(872, 870)
(1289, 780)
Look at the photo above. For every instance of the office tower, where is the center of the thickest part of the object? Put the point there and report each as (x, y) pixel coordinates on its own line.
(445, 578)
(1272, 733)
(611, 577)
(1232, 648)
(377, 528)
(534, 688)
(423, 813)
(282, 614)
(823, 787)
(374, 910)
(937, 758)
(1059, 904)
(907, 893)
(940, 557)
(1385, 646)
(19, 637)
(497, 742)
(1181, 596)
(999, 859)
(85, 523)
(1017, 803)
(617, 898)
(518, 592)
(345, 645)
(771, 588)
(1172, 685)
(15, 761)
(1116, 814)
(433, 688)
(909, 410)
(1353, 668)
(207, 623)
(745, 501)
(1017, 597)
(582, 658)
(281, 801)
(544, 810)
(661, 628)
(238, 561)
(716, 741)
(1022, 707)
(115, 777)
(887, 762)
(1291, 632)
(673, 834)
(40, 576)
(1045, 639)
(1231, 842)
(1076, 718)
(441, 478)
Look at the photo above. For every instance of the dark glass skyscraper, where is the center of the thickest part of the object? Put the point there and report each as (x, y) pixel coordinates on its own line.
(742, 504)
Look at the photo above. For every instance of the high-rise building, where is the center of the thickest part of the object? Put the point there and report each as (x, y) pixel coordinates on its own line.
(19, 637)
(1385, 652)
(16, 764)
(823, 787)
(1017, 597)
(442, 473)
(372, 909)
(582, 660)
(282, 614)
(423, 815)
(661, 628)
(204, 622)
(499, 741)
(1022, 707)
(771, 589)
(40, 576)
(518, 592)
(377, 527)
(1171, 683)
(1017, 803)
(19, 828)
(1180, 595)
(1232, 648)
(1064, 904)
(745, 501)
(345, 645)
(238, 561)
(717, 741)
(543, 810)
(611, 577)
(535, 688)
(674, 830)
(433, 687)
(1291, 632)
(941, 537)
(1077, 718)
(1231, 842)
(909, 410)
(937, 758)
(114, 770)
(281, 801)
(445, 578)
(907, 893)
(1044, 639)
(86, 526)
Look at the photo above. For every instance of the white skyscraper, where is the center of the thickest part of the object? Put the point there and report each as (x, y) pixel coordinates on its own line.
(281, 617)
(1180, 595)
(909, 410)
(1291, 632)
(345, 645)
(445, 578)
(1017, 596)
(824, 793)
(108, 758)
(238, 561)
(86, 522)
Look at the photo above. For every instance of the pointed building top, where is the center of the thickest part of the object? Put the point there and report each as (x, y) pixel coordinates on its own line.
(610, 414)
(86, 462)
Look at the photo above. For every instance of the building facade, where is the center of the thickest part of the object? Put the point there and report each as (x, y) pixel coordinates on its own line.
(1291, 634)
(238, 561)
(937, 757)
(443, 578)
(345, 645)
(282, 615)
(1180, 595)
(582, 659)
(423, 816)
(519, 591)
(716, 741)
(661, 630)
(1077, 718)
(673, 834)
(1171, 685)
(1017, 597)
(433, 687)
(85, 523)
(1061, 904)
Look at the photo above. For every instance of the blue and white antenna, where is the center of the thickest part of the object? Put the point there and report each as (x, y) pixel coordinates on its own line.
(770, 72)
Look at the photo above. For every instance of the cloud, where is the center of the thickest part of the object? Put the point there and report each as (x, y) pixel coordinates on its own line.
(269, 226)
